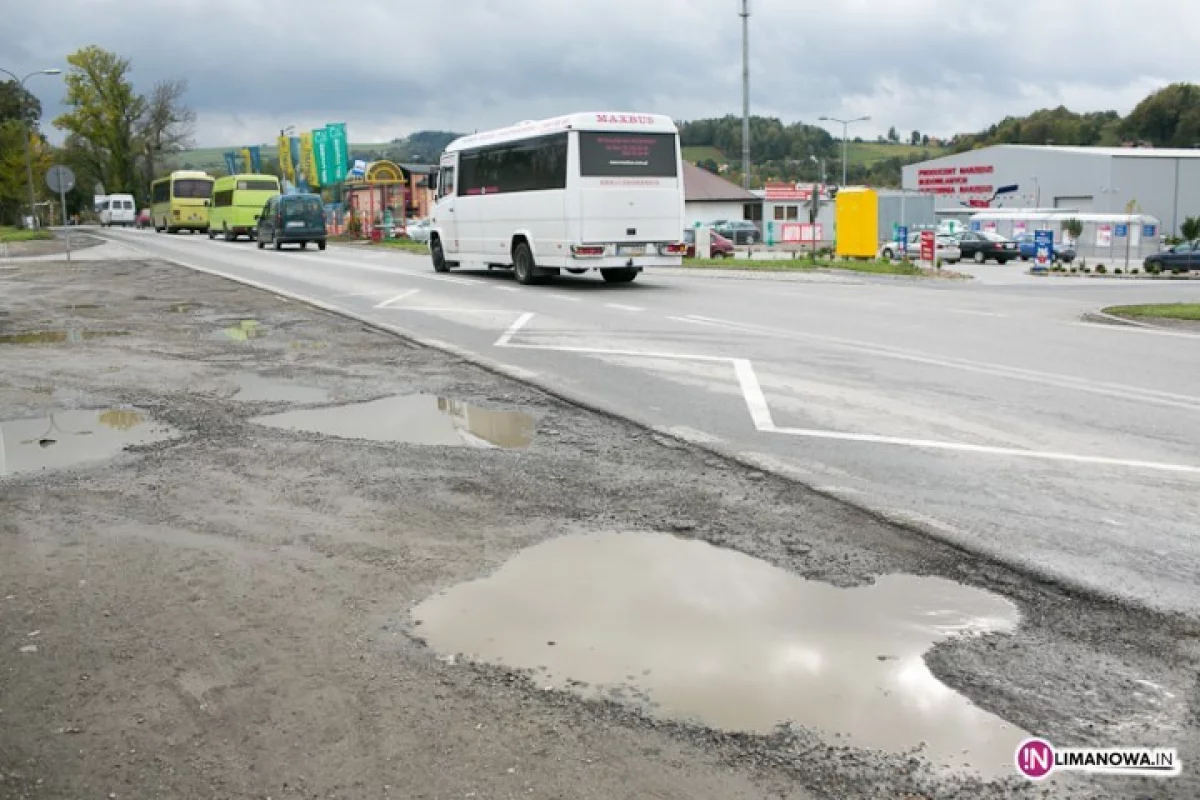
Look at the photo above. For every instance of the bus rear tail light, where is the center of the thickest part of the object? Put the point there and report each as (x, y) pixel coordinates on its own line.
(587, 250)
(675, 248)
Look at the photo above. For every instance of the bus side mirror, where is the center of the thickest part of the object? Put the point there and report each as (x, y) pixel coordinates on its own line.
(433, 181)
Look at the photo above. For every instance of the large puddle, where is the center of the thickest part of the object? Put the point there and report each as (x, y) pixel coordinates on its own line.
(414, 419)
(69, 438)
(730, 641)
(254, 388)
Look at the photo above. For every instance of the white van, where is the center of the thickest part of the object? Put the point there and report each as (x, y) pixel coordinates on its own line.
(116, 209)
(595, 191)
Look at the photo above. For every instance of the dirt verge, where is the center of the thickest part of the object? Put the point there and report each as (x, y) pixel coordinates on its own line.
(226, 613)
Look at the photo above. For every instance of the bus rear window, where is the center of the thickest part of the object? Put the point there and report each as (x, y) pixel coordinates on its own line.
(257, 186)
(190, 189)
(620, 155)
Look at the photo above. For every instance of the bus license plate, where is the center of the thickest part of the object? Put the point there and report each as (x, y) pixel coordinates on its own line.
(631, 250)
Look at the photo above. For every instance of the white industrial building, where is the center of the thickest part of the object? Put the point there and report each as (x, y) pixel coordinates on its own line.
(1163, 183)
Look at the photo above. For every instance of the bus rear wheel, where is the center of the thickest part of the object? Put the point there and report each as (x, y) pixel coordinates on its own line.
(523, 266)
(621, 275)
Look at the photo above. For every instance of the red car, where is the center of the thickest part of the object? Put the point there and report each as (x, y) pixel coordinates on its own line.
(721, 247)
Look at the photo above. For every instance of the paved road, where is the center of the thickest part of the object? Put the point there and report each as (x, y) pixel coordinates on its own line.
(984, 410)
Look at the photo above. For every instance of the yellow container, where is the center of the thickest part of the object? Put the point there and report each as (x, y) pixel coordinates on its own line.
(857, 223)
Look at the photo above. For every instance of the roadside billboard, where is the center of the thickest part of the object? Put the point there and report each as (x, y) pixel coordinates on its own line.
(308, 160)
(339, 150)
(323, 155)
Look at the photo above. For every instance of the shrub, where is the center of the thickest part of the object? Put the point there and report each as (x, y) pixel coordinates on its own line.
(1118, 271)
(1100, 269)
(1134, 271)
(1153, 269)
(1074, 270)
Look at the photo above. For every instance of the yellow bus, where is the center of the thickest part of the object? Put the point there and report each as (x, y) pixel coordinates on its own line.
(180, 201)
(237, 202)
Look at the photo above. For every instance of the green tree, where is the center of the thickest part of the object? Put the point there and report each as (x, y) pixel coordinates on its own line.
(104, 114)
(915, 139)
(17, 103)
(1169, 117)
(1189, 229)
(892, 135)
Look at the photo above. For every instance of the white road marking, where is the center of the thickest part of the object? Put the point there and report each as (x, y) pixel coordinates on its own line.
(564, 297)
(513, 329)
(1132, 393)
(752, 392)
(455, 310)
(463, 281)
(988, 450)
(398, 298)
(1100, 326)
(621, 307)
(506, 288)
(975, 313)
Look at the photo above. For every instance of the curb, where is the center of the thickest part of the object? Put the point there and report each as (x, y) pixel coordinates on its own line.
(911, 522)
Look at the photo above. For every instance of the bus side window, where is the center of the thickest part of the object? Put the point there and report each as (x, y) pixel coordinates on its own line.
(446, 182)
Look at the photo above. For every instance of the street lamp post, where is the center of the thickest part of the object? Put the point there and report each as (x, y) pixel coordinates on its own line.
(29, 134)
(845, 126)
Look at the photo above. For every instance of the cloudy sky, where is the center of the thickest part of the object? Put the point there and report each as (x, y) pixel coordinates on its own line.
(389, 67)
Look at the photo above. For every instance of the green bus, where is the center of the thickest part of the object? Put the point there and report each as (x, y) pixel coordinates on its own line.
(180, 201)
(237, 202)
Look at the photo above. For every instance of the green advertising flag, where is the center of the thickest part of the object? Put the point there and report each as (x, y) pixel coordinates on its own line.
(321, 150)
(339, 147)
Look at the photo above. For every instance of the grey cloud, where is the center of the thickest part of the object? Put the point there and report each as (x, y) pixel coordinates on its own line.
(936, 65)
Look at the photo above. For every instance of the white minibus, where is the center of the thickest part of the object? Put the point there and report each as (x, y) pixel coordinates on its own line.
(590, 191)
(116, 209)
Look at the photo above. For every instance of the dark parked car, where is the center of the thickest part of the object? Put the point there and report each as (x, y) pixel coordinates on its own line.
(1058, 252)
(721, 247)
(979, 246)
(1178, 258)
(292, 219)
(738, 231)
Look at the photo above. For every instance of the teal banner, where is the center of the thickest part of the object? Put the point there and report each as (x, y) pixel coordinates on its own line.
(339, 147)
(324, 157)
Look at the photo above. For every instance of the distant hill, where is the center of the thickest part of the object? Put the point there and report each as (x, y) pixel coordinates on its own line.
(422, 147)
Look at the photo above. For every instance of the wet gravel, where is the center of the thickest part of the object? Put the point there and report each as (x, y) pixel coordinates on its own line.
(227, 613)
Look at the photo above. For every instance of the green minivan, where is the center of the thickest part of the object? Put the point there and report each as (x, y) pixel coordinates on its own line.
(292, 219)
(237, 200)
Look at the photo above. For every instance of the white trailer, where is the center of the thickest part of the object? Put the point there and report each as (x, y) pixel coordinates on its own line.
(589, 191)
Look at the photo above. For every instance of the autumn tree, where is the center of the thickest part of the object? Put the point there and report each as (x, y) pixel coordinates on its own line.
(103, 115)
(20, 113)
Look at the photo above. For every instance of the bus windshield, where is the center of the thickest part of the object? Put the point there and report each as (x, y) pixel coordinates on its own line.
(620, 155)
(192, 189)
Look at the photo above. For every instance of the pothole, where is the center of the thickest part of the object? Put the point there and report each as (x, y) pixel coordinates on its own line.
(716, 637)
(70, 438)
(254, 388)
(414, 419)
(241, 331)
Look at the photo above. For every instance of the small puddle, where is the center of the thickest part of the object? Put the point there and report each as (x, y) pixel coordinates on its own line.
(253, 388)
(57, 337)
(718, 637)
(69, 438)
(414, 419)
(243, 331)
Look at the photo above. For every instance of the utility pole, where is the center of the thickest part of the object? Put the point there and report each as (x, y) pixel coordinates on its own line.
(745, 15)
(29, 136)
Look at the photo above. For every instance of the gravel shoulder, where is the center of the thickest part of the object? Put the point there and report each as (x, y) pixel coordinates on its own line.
(226, 613)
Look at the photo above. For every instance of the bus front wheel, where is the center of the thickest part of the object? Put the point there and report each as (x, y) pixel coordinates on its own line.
(439, 256)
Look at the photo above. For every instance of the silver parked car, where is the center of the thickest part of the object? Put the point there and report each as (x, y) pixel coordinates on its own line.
(947, 248)
(418, 230)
